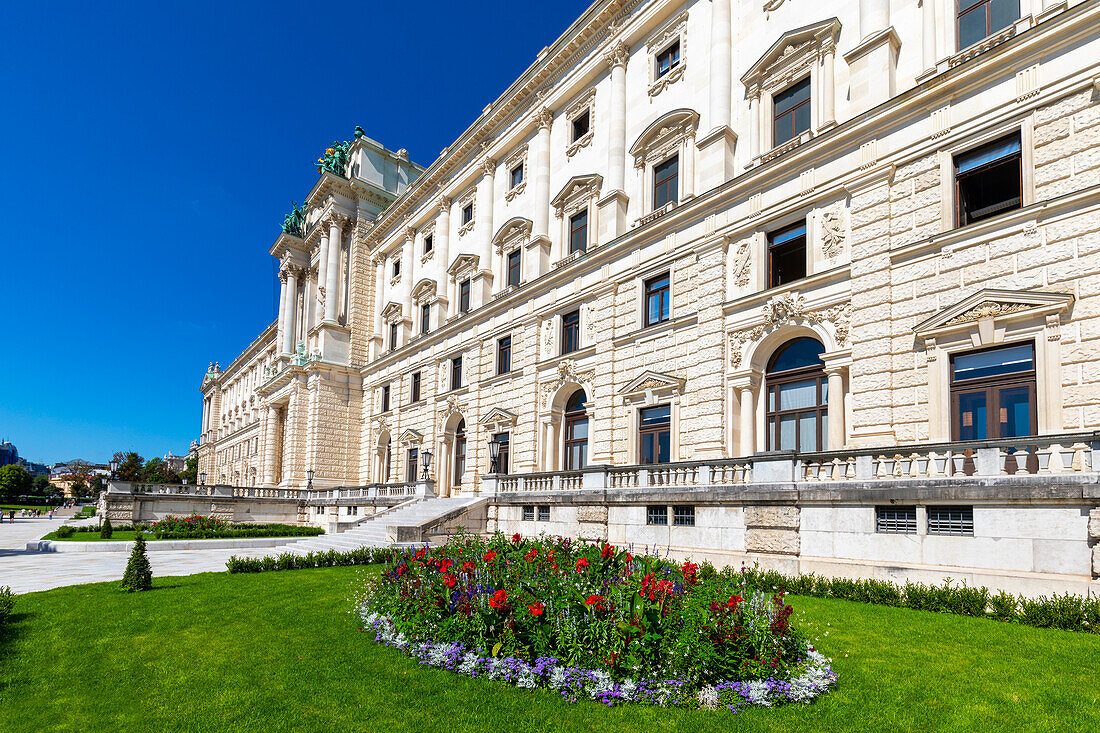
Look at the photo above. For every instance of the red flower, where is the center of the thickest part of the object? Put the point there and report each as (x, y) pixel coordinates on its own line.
(402, 569)
(734, 602)
(445, 565)
(582, 564)
(419, 554)
(516, 538)
(554, 565)
(689, 569)
(536, 608)
(489, 556)
(499, 599)
(531, 555)
(593, 600)
(608, 550)
(449, 581)
(468, 566)
(629, 557)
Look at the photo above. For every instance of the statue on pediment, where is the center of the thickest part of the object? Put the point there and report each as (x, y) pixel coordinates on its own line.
(292, 222)
(335, 160)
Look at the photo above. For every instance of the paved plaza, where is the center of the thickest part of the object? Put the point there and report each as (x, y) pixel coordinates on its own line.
(27, 571)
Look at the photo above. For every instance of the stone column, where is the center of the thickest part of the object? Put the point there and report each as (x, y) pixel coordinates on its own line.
(322, 275)
(281, 338)
(406, 286)
(721, 65)
(746, 391)
(688, 185)
(271, 446)
(616, 142)
(442, 255)
(874, 16)
(836, 408)
(754, 124)
(290, 324)
(379, 292)
(928, 34)
(828, 87)
(332, 270)
(540, 217)
(485, 215)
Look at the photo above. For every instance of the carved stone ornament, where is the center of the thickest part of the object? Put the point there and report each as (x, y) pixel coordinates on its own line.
(988, 309)
(381, 425)
(666, 36)
(590, 330)
(834, 231)
(544, 118)
(742, 263)
(771, 6)
(791, 308)
(617, 55)
(548, 334)
(567, 372)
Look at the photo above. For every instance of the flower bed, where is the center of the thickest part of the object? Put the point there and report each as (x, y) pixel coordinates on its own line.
(591, 620)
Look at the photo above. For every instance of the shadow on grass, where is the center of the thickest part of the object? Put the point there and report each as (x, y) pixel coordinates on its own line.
(9, 632)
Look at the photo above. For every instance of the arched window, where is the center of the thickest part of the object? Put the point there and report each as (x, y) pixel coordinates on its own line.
(460, 453)
(576, 432)
(798, 397)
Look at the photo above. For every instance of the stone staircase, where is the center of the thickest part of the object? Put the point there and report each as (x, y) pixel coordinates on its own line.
(376, 532)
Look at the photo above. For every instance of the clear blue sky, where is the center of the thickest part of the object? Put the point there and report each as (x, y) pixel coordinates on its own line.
(148, 152)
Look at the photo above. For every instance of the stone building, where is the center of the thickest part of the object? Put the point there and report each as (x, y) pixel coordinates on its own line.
(764, 279)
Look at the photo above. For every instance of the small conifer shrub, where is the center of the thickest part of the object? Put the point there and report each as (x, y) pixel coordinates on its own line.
(106, 529)
(139, 574)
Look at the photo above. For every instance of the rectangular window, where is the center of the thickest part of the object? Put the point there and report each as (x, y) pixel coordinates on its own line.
(993, 394)
(896, 519)
(668, 59)
(513, 269)
(464, 296)
(988, 180)
(425, 318)
(578, 232)
(656, 300)
(683, 516)
(544, 513)
(515, 176)
(414, 391)
(393, 336)
(352, 511)
(428, 244)
(951, 520)
(504, 355)
(396, 268)
(386, 398)
(579, 126)
(787, 255)
(456, 372)
(504, 457)
(468, 213)
(656, 516)
(979, 19)
(412, 457)
(655, 431)
(528, 513)
(666, 182)
(792, 111)
(570, 332)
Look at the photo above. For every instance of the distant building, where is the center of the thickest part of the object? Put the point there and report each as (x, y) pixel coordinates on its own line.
(63, 476)
(34, 469)
(8, 454)
(174, 463)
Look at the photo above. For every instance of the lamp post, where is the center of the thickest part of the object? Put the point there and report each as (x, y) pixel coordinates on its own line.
(494, 455)
(202, 479)
(426, 459)
(309, 480)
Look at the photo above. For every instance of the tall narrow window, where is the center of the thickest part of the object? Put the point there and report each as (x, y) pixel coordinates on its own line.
(425, 318)
(467, 213)
(578, 232)
(666, 182)
(655, 431)
(787, 255)
(412, 456)
(993, 393)
(503, 461)
(428, 244)
(504, 355)
(668, 59)
(656, 300)
(570, 332)
(988, 180)
(464, 296)
(388, 462)
(456, 372)
(385, 398)
(513, 269)
(414, 390)
(798, 397)
(515, 176)
(792, 111)
(576, 431)
(393, 336)
(396, 268)
(981, 18)
(460, 452)
(579, 126)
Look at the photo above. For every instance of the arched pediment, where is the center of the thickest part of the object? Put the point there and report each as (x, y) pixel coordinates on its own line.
(666, 130)
(515, 228)
(426, 288)
(791, 53)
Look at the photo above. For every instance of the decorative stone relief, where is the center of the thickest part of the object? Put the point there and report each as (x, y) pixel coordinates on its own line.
(791, 308)
(567, 372)
(590, 325)
(548, 334)
(742, 263)
(988, 309)
(834, 230)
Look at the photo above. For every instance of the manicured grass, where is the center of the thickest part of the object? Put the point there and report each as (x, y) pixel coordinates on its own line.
(280, 652)
(19, 507)
(129, 536)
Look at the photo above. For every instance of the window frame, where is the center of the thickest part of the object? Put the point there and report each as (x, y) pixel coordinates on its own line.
(514, 180)
(889, 519)
(775, 381)
(460, 445)
(964, 218)
(586, 115)
(528, 513)
(504, 458)
(544, 513)
(807, 82)
(681, 516)
(425, 318)
(504, 354)
(414, 387)
(674, 62)
(384, 398)
(429, 244)
(466, 213)
(786, 246)
(654, 430)
(395, 336)
(581, 231)
(656, 515)
(572, 419)
(664, 296)
(412, 457)
(992, 387)
(570, 332)
(456, 372)
(989, 30)
(935, 523)
(464, 296)
(513, 263)
(671, 184)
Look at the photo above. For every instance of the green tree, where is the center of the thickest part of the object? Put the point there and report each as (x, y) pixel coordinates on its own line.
(157, 472)
(139, 574)
(79, 489)
(97, 486)
(190, 470)
(106, 530)
(130, 466)
(41, 486)
(14, 481)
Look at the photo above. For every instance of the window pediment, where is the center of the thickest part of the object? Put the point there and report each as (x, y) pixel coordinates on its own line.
(996, 305)
(665, 133)
(499, 416)
(425, 290)
(791, 56)
(392, 312)
(514, 232)
(411, 437)
(651, 385)
(463, 265)
(577, 190)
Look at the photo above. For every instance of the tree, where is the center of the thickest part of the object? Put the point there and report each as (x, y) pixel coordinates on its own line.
(157, 472)
(130, 466)
(80, 470)
(79, 489)
(106, 530)
(42, 486)
(139, 574)
(190, 470)
(97, 486)
(14, 481)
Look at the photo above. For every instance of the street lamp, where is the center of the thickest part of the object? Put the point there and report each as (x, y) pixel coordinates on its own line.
(494, 455)
(113, 465)
(426, 459)
(309, 480)
(202, 479)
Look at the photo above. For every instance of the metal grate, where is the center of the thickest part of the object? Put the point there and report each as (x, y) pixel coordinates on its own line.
(896, 519)
(951, 520)
(656, 515)
(528, 513)
(683, 516)
(544, 513)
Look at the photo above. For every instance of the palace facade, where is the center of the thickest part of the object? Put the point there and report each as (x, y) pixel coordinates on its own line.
(703, 250)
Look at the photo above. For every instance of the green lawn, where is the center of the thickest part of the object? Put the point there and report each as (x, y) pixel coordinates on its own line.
(20, 507)
(278, 651)
(128, 536)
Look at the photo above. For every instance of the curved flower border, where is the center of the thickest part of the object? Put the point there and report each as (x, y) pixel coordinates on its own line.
(573, 683)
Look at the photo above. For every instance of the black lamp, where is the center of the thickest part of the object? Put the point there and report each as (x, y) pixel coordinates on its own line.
(309, 480)
(426, 459)
(494, 455)
(202, 479)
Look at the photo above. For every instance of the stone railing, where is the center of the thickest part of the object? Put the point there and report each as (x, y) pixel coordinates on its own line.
(372, 491)
(216, 490)
(550, 481)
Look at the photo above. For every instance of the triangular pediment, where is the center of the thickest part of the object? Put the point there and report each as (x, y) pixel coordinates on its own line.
(461, 263)
(652, 381)
(993, 304)
(587, 184)
(792, 44)
(499, 415)
(392, 311)
(411, 436)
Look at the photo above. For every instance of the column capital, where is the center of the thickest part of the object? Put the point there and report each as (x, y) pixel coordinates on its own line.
(544, 117)
(410, 233)
(489, 166)
(444, 204)
(617, 55)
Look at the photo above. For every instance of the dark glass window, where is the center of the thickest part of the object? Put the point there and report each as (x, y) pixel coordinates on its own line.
(504, 355)
(464, 296)
(467, 213)
(389, 462)
(513, 269)
(412, 455)
(504, 459)
(792, 111)
(386, 398)
(656, 300)
(456, 372)
(528, 513)
(683, 516)
(414, 391)
(570, 332)
(425, 318)
(655, 431)
(516, 176)
(393, 336)
(666, 182)
(951, 520)
(798, 397)
(981, 18)
(896, 519)
(578, 232)
(544, 512)
(656, 515)
(460, 452)
(576, 431)
(428, 244)
(580, 126)
(787, 255)
(993, 393)
(668, 59)
(396, 268)
(988, 180)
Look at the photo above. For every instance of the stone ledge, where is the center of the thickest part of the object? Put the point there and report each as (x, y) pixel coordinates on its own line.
(161, 545)
(778, 517)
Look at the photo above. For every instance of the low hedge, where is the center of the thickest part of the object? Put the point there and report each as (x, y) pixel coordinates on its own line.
(1067, 611)
(7, 604)
(232, 532)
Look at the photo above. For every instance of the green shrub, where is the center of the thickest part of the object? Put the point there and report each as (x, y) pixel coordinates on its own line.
(139, 574)
(7, 604)
(106, 529)
(65, 530)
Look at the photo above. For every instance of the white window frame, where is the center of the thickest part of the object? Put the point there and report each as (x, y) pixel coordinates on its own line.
(585, 103)
(673, 31)
(516, 159)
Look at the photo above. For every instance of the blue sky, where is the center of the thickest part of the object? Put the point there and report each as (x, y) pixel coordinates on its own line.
(148, 153)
